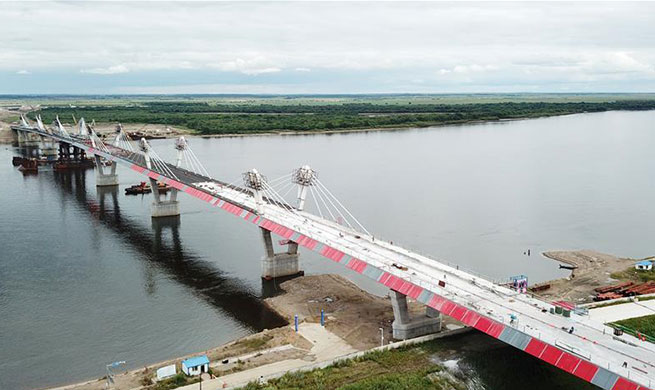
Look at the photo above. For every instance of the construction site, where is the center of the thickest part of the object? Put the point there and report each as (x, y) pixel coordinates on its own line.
(327, 306)
(595, 276)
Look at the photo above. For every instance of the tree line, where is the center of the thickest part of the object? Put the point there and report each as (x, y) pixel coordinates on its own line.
(207, 118)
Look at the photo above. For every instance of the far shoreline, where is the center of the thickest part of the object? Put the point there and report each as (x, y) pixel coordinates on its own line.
(8, 137)
(373, 129)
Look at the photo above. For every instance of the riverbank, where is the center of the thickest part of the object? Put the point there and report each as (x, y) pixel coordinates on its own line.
(353, 318)
(106, 129)
(243, 118)
(199, 119)
(363, 130)
(592, 270)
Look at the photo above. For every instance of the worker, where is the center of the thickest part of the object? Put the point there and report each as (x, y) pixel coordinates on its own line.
(571, 330)
(625, 365)
(528, 252)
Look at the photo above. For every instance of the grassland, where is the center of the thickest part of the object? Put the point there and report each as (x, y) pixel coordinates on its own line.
(481, 360)
(633, 275)
(644, 325)
(389, 99)
(407, 368)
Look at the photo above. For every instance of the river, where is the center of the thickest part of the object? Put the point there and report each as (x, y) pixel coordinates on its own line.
(87, 278)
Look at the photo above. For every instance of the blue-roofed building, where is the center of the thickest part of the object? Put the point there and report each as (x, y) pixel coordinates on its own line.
(195, 365)
(644, 266)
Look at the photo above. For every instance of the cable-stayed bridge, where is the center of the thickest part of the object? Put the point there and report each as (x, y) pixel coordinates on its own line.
(575, 344)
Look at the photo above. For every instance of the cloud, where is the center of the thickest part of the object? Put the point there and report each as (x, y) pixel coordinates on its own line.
(23, 71)
(257, 71)
(253, 65)
(444, 44)
(115, 69)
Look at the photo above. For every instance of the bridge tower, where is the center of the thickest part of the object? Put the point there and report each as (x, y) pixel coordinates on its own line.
(404, 326)
(24, 137)
(274, 265)
(104, 178)
(304, 177)
(161, 207)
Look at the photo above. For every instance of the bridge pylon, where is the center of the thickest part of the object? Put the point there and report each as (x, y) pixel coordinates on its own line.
(404, 326)
(160, 207)
(257, 183)
(24, 137)
(304, 178)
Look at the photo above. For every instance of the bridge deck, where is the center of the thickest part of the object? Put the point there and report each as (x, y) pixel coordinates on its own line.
(591, 352)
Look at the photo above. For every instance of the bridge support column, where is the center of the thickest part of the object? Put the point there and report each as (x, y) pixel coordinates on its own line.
(163, 208)
(275, 265)
(404, 327)
(104, 179)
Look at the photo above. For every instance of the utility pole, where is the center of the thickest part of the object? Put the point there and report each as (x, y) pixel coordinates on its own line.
(381, 337)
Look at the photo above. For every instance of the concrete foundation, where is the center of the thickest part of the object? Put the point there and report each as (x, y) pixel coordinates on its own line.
(404, 327)
(275, 265)
(163, 208)
(104, 179)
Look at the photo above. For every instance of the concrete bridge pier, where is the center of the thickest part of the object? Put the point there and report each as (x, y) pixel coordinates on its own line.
(404, 327)
(275, 265)
(23, 137)
(163, 207)
(104, 179)
(19, 136)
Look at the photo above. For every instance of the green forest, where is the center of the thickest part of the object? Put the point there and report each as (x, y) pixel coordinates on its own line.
(235, 118)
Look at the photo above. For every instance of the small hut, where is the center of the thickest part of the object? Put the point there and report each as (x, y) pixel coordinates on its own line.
(195, 365)
(644, 266)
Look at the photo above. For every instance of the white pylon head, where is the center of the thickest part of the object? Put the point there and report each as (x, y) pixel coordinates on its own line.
(254, 180)
(143, 145)
(304, 176)
(181, 143)
(39, 122)
(81, 127)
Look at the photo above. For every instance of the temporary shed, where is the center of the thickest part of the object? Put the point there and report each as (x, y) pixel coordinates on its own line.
(195, 365)
(166, 372)
(644, 266)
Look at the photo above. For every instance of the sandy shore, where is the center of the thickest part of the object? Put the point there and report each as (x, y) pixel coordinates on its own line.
(593, 270)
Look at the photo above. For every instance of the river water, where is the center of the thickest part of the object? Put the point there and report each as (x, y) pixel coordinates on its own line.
(87, 278)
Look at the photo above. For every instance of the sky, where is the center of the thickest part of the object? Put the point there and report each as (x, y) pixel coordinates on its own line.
(325, 47)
